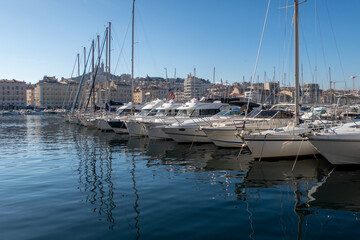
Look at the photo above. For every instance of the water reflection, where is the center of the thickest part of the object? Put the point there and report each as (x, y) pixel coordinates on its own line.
(133, 188)
(95, 171)
(311, 185)
(340, 191)
(136, 204)
(293, 185)
(198, 158)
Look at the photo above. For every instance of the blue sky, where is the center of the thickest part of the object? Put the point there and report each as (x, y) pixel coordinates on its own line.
(42, 37)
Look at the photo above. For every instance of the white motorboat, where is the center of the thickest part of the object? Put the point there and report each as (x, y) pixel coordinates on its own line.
(164, 116)
(116, 122)
(199, 115)
(285, 142)
(135, 125)
(339, 145)
(228, 133)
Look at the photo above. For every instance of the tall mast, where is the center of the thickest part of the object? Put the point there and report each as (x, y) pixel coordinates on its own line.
(297, 102)
(78, 58)
(85, 59)
(132, 53)
(98, 40)
(106, 65)
(194, 83)
(93, 71)
(166, 76)
(214, 76)
(330, 85)
(264, 90)
(92, 57)
(109, 48)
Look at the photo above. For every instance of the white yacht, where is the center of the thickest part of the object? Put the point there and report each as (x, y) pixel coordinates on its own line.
(229, 133)
(284, 142)
(339, 145)
(116, 122)
(165, 115)
(134, 124)
(198, 115)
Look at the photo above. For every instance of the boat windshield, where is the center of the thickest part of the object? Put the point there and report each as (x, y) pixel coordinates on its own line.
(254, 113)
(152, 112)
(230, 113)
(144, 112)
(184, 113)
(266, 114)
(119, 112)
(208, 112)
(125, 111)
(161, 113)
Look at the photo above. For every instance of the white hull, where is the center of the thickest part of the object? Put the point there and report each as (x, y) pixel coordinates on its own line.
(227, 138)
(87, 122)
(279, 146)
(120, 130)
(136, 129)
(155, 132)
(103, 125)
(186, 135)
(344, 150)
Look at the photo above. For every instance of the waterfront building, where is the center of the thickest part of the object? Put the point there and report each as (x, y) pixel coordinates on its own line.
(195, 87)
(179, 95)
(286, 94)
(310, 93)
(51, 93)
(12, 93)
(30, 96)
(219, 90)
(118, 92)
(145, 94)
(272, 90)
(254, 96)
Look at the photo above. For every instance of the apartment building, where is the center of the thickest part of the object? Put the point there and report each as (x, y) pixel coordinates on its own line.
(310, 93)
(12, 93)
(50, 92)
(119, 92)
(195, 87)
(145, 94)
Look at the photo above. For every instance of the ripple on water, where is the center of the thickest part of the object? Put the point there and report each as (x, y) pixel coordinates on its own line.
(63, 181)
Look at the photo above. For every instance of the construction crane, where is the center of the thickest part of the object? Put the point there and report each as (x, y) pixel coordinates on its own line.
(353, 78)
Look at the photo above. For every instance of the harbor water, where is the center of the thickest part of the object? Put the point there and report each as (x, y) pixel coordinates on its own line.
(64, 181)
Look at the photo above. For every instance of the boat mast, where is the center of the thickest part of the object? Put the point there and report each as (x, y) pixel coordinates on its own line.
(296, 17)
(93, 72)
(84, 58)
(331, 95)
(106, 67)
(214, 76)
(108, 75)
(132, 54)
(78, 59)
